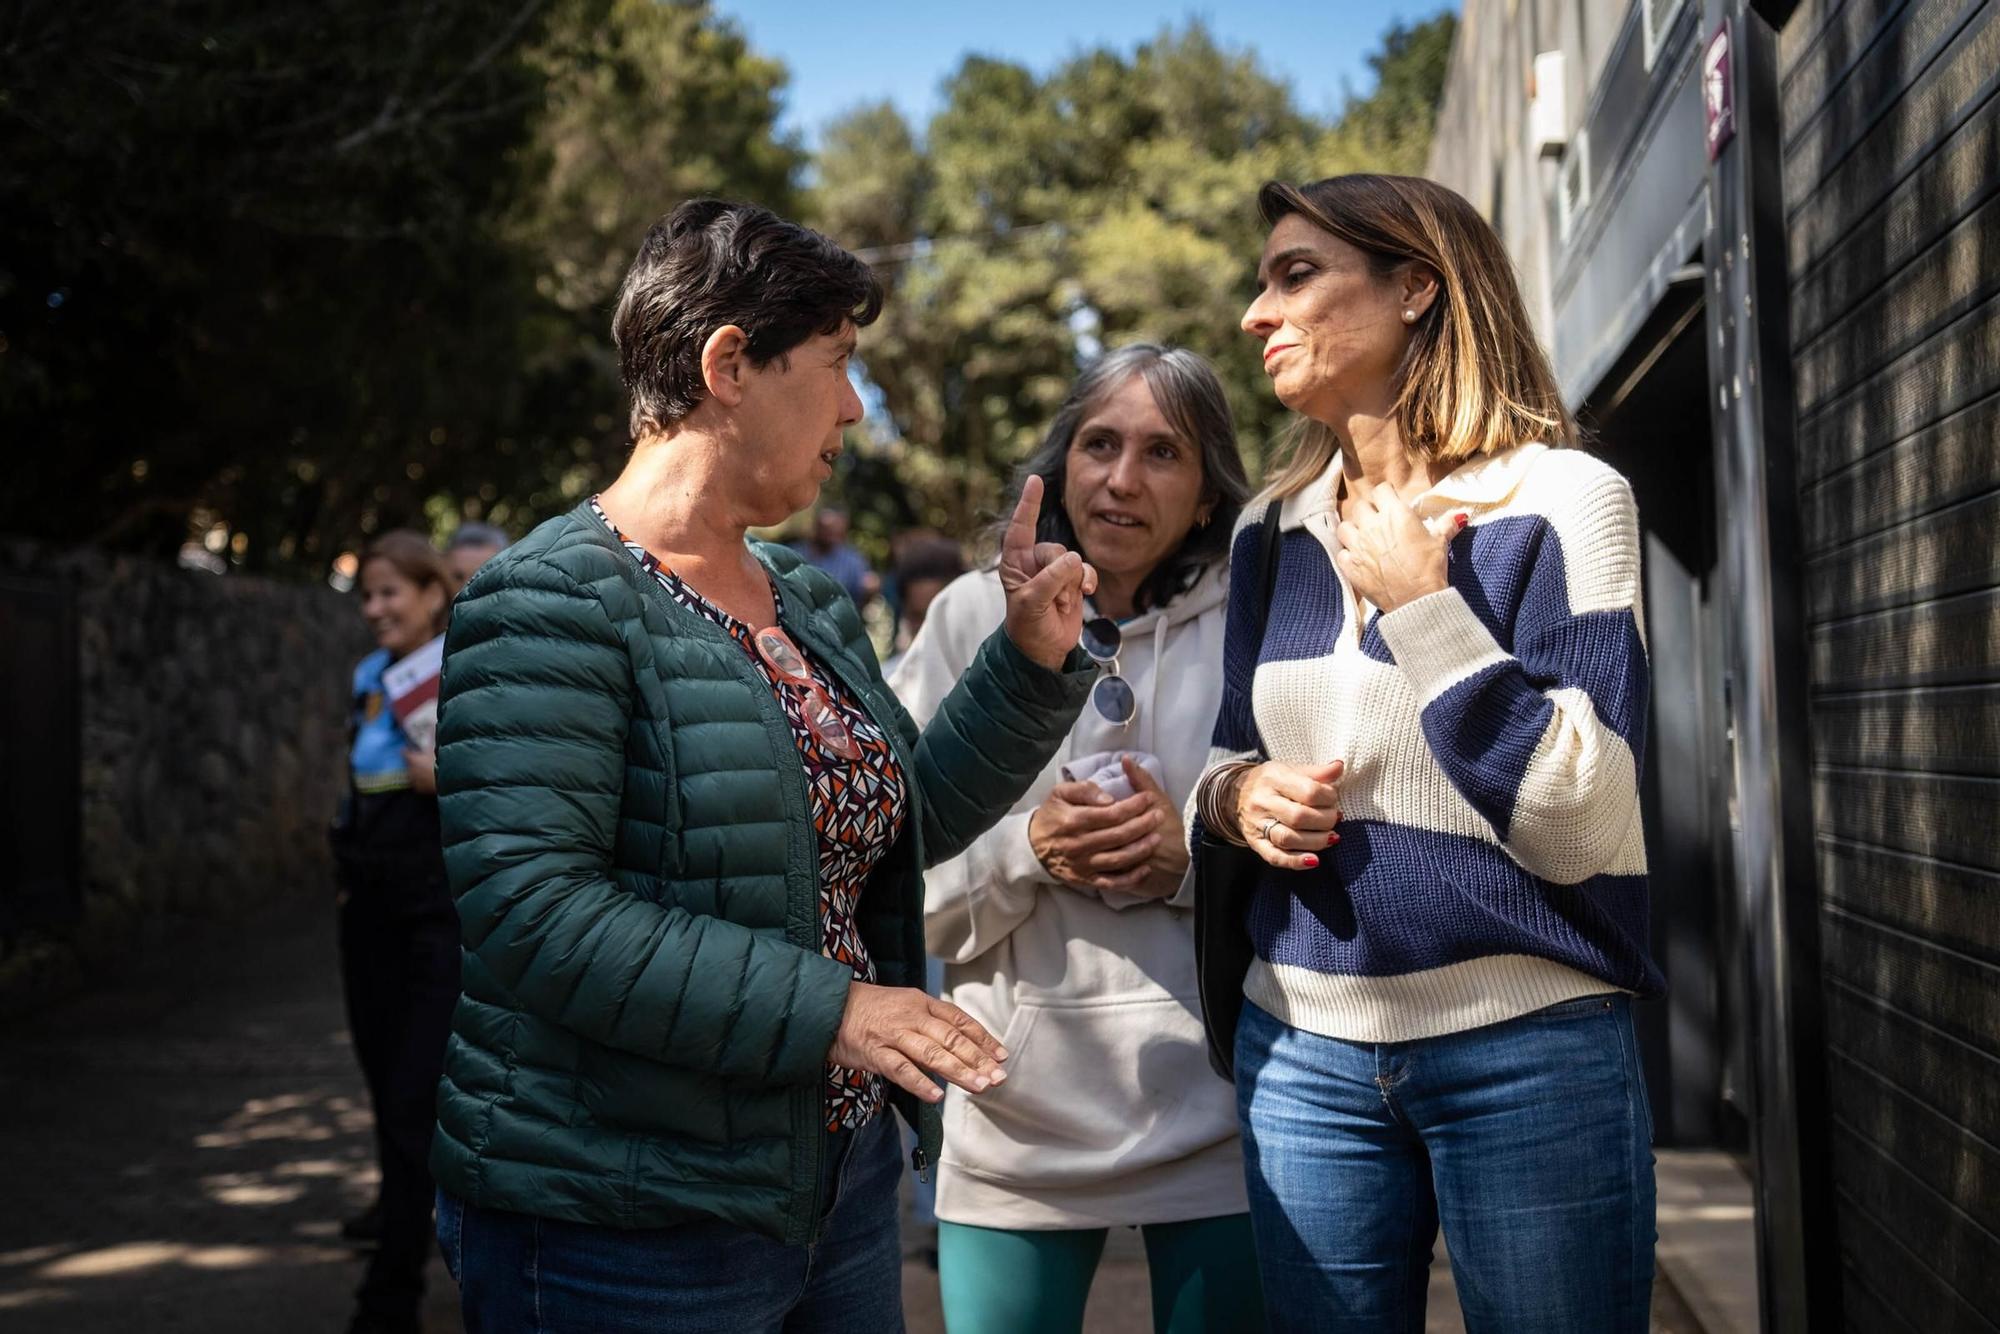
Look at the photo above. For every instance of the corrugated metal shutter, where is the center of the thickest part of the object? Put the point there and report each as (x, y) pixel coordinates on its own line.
(1892, 185)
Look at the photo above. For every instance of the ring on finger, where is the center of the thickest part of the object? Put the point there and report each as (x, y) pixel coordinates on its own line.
(1269, 825)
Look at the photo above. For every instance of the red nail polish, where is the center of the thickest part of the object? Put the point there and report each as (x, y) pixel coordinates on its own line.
(1464, 519)
(1332, 839)
(1312, 862)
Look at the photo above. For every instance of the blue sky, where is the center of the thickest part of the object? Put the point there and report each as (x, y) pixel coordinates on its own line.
(841, 55)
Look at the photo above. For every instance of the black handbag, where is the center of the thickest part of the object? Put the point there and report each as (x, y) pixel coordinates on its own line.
(1225, 876)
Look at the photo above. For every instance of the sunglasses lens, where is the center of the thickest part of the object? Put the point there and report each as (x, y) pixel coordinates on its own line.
(1102, 638)
(1114, 699)
(824, 722)
(778, 651)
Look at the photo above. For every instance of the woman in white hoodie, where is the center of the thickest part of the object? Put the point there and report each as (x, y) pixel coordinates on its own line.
(1068, 927)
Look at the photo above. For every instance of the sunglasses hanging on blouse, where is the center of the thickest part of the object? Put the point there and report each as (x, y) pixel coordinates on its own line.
(823, 720)
(1112, 696)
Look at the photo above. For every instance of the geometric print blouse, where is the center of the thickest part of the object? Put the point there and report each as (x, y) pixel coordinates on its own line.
(858, 809)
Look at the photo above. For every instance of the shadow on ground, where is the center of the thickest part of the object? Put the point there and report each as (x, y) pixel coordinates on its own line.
(178, 1146)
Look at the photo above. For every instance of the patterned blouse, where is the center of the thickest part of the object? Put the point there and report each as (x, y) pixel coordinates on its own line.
(858, 807)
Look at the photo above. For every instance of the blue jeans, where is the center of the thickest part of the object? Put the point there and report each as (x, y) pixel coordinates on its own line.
(1530, 1140)
(523, 1275)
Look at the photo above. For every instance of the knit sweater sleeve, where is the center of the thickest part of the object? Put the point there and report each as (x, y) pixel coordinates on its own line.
(1235, 736)
(1543, 735)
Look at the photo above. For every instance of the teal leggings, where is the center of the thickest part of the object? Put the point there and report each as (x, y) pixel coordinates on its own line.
(996, 1281)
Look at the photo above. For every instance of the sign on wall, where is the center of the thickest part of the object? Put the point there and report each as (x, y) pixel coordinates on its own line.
(1718, 94)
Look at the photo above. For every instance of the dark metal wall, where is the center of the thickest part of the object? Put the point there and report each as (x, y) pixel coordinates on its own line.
(1891, 167)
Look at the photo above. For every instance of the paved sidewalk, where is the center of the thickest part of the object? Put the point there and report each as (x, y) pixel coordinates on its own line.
(177, 1146)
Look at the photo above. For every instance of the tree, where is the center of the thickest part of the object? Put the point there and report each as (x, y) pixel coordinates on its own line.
(239, 246)
(649, 104)
(1391, 127)
(1038, 219)
(294, 273)
(300, 272)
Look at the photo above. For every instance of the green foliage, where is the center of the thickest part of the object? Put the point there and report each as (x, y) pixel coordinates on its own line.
(303, 271)
(297, 272)
(1391, 127)
(1113, 200)
(245, 259)
(649, 104)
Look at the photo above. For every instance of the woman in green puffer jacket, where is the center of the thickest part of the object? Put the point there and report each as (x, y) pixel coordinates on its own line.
(685, 824)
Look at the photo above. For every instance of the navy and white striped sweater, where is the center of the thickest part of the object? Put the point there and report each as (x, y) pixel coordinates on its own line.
(1491, 860)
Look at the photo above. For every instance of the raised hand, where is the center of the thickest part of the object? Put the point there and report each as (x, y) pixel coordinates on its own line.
(1046, 584)
(1387, 555)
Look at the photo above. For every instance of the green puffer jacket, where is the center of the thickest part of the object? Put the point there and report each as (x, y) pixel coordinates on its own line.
(643, 1033)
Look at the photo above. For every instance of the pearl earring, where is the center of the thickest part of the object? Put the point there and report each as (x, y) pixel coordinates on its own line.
(1409, 317)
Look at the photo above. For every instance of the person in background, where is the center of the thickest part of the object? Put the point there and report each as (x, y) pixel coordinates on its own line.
(1435, 749)
(688, 825)
(925, 562)
(923, 567)
(469, 548)
(826, 550)
(1067, 928)
(398, 932)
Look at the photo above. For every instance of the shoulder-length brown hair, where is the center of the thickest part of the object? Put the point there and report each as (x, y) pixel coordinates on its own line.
(1474, 379)
(411, 554)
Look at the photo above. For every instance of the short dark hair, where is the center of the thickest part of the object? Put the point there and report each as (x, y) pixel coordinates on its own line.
(710, 263)
(1192, 400)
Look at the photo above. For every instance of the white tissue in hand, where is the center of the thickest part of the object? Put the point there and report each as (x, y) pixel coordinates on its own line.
(1104, 769)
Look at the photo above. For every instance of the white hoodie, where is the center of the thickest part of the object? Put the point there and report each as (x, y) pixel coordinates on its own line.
(1110, 1114)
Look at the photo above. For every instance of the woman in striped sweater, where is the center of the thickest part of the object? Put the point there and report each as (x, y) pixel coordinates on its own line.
(1434, 748)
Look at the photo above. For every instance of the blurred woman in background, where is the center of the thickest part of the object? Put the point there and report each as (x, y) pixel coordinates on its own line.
(398, 932)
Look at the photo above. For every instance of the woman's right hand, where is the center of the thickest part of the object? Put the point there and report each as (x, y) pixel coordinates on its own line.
(1084, 838)
(1286, 813)
(900, 1032)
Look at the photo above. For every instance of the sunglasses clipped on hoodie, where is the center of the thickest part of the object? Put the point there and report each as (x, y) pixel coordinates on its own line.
(1112, 696)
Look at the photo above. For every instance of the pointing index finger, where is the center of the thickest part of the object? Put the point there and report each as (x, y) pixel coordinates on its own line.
(1018, 544)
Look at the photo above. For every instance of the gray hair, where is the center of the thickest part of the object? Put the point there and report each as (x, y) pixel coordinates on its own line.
(477, 535)
(1192, 400)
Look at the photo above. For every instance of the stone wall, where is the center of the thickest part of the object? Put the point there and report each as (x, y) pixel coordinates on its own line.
(212, 730)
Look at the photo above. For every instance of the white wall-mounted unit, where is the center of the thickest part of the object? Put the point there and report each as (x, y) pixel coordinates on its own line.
(1573, 186)
(1548, 106)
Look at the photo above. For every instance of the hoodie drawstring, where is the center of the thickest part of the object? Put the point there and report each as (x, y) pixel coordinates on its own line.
(1159, 670)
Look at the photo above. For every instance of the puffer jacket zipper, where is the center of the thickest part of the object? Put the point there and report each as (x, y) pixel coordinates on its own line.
(922, 1157)
(809, 1133)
